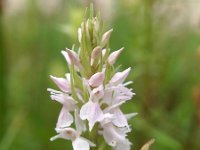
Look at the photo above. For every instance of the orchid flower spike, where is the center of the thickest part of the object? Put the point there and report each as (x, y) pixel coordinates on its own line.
(92, 93)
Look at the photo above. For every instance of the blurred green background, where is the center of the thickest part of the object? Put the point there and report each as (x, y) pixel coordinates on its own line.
(162, 45)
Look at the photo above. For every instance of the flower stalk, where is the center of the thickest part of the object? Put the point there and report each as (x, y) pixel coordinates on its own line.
(92, 92)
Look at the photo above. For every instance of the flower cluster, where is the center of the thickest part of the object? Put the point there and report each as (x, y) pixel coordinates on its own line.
(92, 93)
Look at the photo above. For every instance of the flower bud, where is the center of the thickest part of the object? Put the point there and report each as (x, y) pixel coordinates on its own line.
(96, 52)
(73, 57)
(113, 56)
(96, 79)
(106, 37)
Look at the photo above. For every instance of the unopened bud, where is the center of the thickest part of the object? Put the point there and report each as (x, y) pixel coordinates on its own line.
(73, 57)
(113, 56)
(96, 52)
(96, 79)
(106, 37)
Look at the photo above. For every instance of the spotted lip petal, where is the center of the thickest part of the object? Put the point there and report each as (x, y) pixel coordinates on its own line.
(92, 112)
(113, 135)
(119, 118)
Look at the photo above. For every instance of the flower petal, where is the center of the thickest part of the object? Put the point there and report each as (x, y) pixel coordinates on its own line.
(80, 124)
(73, 57)
(119, 77)
(125, 145)
(112, 135)
(65, 133)
(65, 119)
(119, 118)
(97, 79)
(67, 101)
(80, 144)
(62, 83)
(97, 93)
(92, 112)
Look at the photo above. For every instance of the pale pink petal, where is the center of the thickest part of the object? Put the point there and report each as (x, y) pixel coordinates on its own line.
(92, 112)
(65, 119)
(66, 100)
(73, 58)
(89, 142)
(65, 133)
(80, 144)
(123, 145)
(80, 124)
(112, 135)
(119, 77)
(119, 118)
(97, 79)
(62, 83)
(113, 56)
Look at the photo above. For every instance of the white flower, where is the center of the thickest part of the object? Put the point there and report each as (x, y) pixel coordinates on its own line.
(78, 142)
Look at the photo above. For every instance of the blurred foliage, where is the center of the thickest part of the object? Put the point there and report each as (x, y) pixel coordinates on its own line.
(161, 47)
